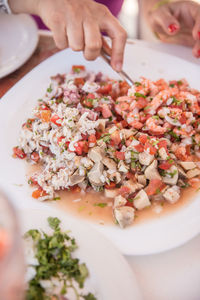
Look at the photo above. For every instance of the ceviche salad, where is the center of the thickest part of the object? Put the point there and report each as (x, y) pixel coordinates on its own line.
(136, 144)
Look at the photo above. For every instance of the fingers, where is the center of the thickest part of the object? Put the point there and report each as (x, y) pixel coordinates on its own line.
(118, 36)
(180, 39)
(196, 29)
(75, 36)
(196, 49)
(59, 33)
(164, 18)
(93, 40)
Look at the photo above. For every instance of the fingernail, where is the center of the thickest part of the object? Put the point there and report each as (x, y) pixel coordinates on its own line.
(118, 66)
(172, 28)
(199, 35)
(198, 53)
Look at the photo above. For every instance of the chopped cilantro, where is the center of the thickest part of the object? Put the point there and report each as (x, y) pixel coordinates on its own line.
(158, 191)
(130, 200)
(179, 82)
(106, 138)
(54, 254)
(172, 173)
(156, 117)
(174, 135)
(176, 101)
(140, 95)
(137, 83)
(102, 205)
(89, 297)
(56, 198)
(49, 89)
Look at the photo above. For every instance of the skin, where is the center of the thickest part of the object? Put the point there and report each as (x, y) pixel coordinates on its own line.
(78, 24)
(185, 15)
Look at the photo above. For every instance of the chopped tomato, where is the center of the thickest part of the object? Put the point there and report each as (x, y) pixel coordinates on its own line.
(35, 157)
(115, 137)
(129, 203)
(56, 120)
(124, 123)
(130, 175)
(143, 139)
(92, 139)
(28, 124)
(165, 165)
(32, 180)
(110, 186)
(84, 136)
(82, 147)
(183, 119)
(106, 112)
(44, 107)
(88, 101)
(78, 68)
(105, 89)
(152, 149)
(139, 148)
(154, 187)
(98, 135)
(45, 115)
(18, 152)
(124, 190)
(79, 81)
(120, 155)
(162, 144)
(75, 189)
(59, 139)
(39, 193)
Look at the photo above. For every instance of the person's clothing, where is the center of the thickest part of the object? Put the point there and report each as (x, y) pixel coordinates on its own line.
(113, 5)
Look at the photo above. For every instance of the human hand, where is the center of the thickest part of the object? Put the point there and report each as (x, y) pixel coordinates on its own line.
(78, 24)
(177, 23)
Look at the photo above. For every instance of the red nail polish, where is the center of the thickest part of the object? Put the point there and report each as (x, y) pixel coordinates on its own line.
(172, 28)
(198, 53)
(199, 35)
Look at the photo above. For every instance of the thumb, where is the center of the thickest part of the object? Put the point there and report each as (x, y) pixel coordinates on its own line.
(167, 21)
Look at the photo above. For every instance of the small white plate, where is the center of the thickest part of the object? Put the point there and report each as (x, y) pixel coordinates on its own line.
(110, 276)
(19, 38)
(153, 236)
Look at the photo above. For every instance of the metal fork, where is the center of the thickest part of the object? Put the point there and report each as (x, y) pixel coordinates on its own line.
(122, 74)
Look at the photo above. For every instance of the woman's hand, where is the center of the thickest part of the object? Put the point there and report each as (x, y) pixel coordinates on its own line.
(177, 22)
(78, 24)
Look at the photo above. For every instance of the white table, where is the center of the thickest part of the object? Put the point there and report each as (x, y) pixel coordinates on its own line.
(175, 274)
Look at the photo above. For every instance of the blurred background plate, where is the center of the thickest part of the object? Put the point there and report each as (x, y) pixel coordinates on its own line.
(110, 276)
(19, 38)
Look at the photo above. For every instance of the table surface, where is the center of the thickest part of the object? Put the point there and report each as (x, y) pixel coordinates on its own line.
(171, 275)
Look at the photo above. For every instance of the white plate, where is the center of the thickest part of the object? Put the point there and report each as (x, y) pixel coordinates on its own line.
(110, 275)
(150, 237)
(19, 38)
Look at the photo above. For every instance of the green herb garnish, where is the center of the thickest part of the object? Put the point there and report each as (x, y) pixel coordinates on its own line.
(102, 205)
(140, 95)
(54, 253)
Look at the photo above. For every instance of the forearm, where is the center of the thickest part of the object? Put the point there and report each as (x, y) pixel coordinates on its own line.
(24, 6)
